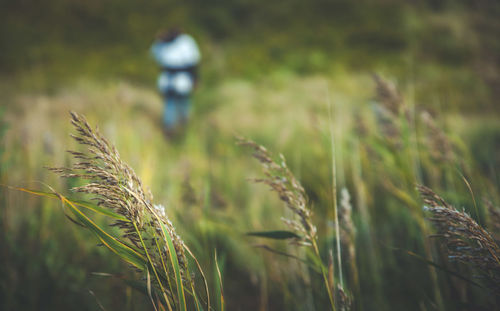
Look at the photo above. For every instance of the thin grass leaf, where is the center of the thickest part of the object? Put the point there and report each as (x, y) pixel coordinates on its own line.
(331, 272)
(100, 210)
(87, 205)
(277, 252)
(220, 288)
(148, 284)
(165, 270)
(197, 303)
(175, 266)
(151, 263)
(315, 262)
(478, 219)
(124, 251)
(97, 300)
(202, 276)
(277, 235)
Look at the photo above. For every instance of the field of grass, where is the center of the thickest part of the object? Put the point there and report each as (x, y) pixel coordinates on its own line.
(359, 143)
(202, 179)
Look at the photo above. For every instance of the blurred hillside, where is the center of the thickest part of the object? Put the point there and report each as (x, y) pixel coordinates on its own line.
(450, 48)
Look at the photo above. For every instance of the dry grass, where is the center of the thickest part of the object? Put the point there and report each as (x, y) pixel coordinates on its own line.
(466, 241)
(114, 186)
(219, 170)
(281, 180)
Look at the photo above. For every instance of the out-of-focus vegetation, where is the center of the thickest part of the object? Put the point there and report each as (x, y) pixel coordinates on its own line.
(447, 48)
(273, 72)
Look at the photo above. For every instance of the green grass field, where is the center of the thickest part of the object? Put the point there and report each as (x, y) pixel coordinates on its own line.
(202, 179)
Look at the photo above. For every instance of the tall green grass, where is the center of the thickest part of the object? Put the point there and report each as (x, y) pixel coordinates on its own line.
(202, 180)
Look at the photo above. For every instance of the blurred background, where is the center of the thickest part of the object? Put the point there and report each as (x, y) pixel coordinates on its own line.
(283, 74)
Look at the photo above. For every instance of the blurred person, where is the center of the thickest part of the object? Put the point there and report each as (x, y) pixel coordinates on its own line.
(178, 56)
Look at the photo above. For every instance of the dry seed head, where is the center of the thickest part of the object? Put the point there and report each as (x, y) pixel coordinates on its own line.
(115, 186)
(466, 241)
(281, 180)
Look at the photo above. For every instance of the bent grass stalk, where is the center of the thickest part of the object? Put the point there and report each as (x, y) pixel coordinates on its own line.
(148, 239)
(281, 180)
(466, 241)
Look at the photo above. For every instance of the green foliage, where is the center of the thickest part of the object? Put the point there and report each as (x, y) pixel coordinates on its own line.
(279, 234)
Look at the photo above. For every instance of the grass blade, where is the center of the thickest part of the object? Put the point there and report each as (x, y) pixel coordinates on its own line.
(148, 284)
(202, 276)
(175, 266)
(277, 234)
(164, 266)
(151, 264)
(220, 288)
(87, 205)
(124, 251)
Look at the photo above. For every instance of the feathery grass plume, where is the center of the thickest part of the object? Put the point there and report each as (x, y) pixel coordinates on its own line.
(290, 191)
(115, 186)
(281, 180)
(466, 241)
(440, 147)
